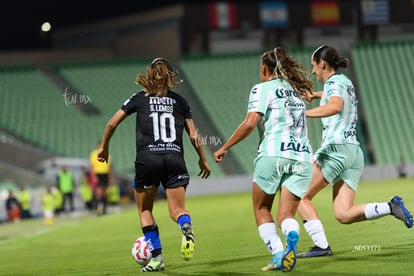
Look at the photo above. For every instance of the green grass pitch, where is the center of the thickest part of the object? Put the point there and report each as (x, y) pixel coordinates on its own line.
(227, 240)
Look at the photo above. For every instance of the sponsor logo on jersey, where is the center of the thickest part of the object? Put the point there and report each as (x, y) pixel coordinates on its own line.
(282, 93)
(294, 146)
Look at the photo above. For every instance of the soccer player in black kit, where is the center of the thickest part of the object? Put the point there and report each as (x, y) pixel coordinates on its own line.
(161, 117)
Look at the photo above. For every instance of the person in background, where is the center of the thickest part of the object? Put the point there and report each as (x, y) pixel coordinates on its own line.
(48, 206)
(24, 198)
(90, 178)
(86, 192)
(125, 191)
(114, 195)
(58, 202)
(65, 184)
(102, 175)
(12, 207)
(402, 168)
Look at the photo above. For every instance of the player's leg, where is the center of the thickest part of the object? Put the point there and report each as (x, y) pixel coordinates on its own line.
(64, 202)
(100, 194)
(175, 181)
(104, 183)
(343, 202)
(346, 213)
(105, 197)
(310, 218)
(71, 203)
(144, 199)
(265, 185)
(147, 179)
(295, 186)
(346, 193)
(346, 185)
(288, 205)
(262, 206)
(178, 213)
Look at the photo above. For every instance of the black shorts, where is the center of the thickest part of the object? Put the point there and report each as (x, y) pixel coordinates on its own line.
(103, 180)
(169, 170)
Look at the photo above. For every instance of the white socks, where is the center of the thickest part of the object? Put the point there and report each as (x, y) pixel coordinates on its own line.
(377, 210)
(289, 224)
(315, 230)
(268, 233)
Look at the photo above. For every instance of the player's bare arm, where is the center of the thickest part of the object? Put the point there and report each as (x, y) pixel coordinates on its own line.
(334, 106)
(242, 131)
(198, 146)
(103, 151)
(309, 96)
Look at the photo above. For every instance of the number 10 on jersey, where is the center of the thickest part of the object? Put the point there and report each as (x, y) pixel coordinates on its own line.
(163, 126)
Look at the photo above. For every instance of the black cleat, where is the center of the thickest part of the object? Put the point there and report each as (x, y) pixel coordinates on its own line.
(316, 251)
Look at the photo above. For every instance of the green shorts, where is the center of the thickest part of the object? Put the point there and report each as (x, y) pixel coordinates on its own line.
(341, 162)
(271, 172)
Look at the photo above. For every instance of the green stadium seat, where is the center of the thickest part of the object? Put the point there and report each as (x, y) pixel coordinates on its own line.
(108, 84)
(383, 71)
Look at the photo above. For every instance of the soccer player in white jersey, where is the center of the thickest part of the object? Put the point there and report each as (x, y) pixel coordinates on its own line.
(284, 159)
(339, 160)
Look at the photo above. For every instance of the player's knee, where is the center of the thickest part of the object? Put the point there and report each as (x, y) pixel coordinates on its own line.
(343, 218)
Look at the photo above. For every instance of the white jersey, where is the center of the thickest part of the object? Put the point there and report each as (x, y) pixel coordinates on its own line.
(283, 130)
(340, 128)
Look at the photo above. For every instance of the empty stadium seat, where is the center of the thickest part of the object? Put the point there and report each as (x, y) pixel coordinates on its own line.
(384, 74)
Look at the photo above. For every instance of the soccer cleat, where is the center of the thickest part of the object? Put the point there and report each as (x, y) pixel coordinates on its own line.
(187, 242)
(275, 263)
(316, 251)
(400, 212)
(154, 265)
(289, 256)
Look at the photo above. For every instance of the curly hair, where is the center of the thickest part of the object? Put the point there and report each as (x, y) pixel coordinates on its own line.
(159, 78)
(281, 64)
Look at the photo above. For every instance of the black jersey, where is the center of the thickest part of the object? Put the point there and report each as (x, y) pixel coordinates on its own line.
(160, 122)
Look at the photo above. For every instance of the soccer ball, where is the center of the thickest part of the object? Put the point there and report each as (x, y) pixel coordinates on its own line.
(141, 252)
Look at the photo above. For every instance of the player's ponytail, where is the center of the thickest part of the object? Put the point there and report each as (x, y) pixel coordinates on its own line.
(159, 78)
(284, 66)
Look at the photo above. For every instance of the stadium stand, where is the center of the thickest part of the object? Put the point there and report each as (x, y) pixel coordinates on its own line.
(33, 109)
(384, 74)
(108, 83)
(221, 83)
(44, 115)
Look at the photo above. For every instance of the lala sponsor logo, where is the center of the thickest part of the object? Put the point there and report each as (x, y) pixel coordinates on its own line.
(293, 145)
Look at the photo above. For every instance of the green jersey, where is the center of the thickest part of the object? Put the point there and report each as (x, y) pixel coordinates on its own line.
(340, 128)
(283, 130)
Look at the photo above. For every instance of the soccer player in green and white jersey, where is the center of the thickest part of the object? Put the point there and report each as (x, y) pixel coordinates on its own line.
(339, 160)
(284, 158)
